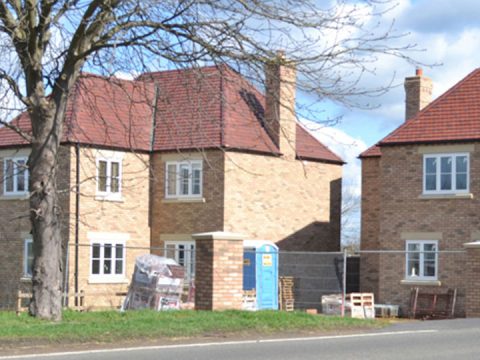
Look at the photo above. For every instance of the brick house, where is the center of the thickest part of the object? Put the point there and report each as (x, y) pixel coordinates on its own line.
(164, 156)
(420, 198)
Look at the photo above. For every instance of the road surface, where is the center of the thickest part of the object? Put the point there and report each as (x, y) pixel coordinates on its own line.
(441, 339)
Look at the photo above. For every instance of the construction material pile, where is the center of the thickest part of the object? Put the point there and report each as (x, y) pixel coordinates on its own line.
(357, 305)
(157, 283)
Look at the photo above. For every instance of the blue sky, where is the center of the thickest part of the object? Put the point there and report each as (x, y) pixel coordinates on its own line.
(447, 37)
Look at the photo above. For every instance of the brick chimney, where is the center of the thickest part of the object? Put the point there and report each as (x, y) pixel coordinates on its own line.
(280, 118)
(418, 93)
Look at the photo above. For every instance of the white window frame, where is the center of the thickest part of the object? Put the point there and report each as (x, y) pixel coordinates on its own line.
(113, 240)
(15, 160)
(189, 256)
(438, 172)
(178, 165)
(421, 276)
(108, 194)
(26, 273)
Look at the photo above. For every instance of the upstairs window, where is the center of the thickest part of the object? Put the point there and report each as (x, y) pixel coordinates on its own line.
(109, 177)
(422, 260)
(183, 179)
(15, 176)
(446, 173)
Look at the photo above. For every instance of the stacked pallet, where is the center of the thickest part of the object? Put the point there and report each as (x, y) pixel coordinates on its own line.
(287, 297)
(362, 305)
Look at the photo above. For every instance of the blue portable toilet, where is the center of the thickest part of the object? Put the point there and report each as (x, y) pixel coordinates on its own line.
(260, 272)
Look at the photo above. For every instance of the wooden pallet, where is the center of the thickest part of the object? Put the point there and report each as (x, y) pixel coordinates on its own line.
(287, 295)
(361, 305)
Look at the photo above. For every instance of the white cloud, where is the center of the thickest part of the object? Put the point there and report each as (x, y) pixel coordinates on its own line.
(345, 146)
(348, 148)
(453, 54)
(126, 75)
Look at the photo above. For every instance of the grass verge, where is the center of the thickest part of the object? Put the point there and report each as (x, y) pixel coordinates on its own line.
(110, 326)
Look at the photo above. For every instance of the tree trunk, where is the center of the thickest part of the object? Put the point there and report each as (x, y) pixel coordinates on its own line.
(44, 212)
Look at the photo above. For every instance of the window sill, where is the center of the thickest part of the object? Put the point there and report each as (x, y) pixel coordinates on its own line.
(446, 196)
(185, 199)
(25, 279)
(107, 280)
(25, 196)
(108, 197)
(421, 282)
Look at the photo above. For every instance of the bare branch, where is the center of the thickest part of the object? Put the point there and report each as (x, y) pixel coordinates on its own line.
(14, 87)
(18, 130)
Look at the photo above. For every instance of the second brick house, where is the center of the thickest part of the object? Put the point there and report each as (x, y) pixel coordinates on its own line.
(146, 163)
(420, 198)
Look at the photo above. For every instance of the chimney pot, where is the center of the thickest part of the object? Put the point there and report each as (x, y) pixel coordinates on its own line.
(419, 71)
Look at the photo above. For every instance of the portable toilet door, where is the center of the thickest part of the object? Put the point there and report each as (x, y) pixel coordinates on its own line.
(267, 276)
(249, 269)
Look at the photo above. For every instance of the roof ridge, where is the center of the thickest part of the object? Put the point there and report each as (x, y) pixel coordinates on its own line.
(166, 71)
(86, 75)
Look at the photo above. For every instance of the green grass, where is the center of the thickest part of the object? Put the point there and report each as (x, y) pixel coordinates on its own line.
(108, 326)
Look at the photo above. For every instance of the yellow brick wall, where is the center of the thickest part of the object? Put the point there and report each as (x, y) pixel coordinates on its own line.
(263, 197)
(293, 203)
(129, 216)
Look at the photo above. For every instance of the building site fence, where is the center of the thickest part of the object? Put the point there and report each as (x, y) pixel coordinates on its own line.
(303, 277)
(310, 275)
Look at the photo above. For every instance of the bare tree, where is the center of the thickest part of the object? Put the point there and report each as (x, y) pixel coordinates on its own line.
(350, 218)
(48, 42)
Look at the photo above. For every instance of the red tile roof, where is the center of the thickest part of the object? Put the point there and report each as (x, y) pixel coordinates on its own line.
(372, 151)
(111, 113)
(210, 107)
(9, 137)
(101, 112)
(453, 117)
(308, 147)
(188, 108)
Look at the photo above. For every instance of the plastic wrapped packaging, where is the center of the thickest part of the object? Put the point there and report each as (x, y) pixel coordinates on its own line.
(157, 283)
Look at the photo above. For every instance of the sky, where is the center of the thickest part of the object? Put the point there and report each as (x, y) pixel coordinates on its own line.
(447, 38)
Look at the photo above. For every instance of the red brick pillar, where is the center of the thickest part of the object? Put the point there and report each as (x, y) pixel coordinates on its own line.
(218, 271)
(472, 271)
